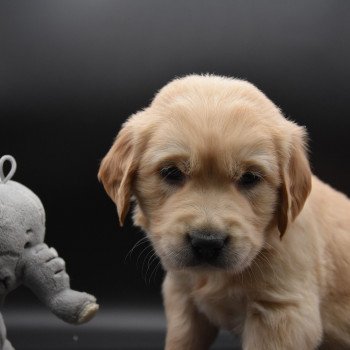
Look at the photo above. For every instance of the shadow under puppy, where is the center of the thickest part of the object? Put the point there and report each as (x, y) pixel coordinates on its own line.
(250, 240)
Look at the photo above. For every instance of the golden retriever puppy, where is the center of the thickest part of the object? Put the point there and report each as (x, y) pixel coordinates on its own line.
(250, 240)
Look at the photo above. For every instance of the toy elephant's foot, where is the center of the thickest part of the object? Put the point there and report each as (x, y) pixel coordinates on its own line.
(4, 343)
(7, 346)
(74, 307)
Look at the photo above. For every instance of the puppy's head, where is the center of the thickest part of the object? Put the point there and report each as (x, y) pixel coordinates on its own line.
(213, 166)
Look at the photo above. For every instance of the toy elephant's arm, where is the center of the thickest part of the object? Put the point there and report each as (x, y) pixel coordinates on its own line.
(44, 273)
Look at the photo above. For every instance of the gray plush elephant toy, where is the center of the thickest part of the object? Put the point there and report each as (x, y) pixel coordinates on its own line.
(25, 259)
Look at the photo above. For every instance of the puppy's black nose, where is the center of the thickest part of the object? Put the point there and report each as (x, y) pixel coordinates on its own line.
(207, 245)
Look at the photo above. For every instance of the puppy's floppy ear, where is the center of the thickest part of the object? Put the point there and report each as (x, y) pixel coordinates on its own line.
(118, 168)
(296, 180)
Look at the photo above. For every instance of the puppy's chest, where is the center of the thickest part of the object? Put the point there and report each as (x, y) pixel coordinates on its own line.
(224, 305)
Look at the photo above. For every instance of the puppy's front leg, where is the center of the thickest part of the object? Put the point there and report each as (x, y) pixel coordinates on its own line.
(187, 327)
(276, 326)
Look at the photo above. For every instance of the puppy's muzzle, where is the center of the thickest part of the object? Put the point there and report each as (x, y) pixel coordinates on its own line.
(207, 246)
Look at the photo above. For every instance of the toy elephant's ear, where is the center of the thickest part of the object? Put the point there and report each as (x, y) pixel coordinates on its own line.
(3, 159)
(118, 167)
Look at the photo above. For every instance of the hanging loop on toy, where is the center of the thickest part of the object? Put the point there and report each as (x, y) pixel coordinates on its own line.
(3, 178)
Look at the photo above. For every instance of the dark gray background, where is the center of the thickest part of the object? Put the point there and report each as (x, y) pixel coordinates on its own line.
(72, 71)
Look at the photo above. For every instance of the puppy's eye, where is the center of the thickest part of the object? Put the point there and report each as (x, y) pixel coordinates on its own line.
(172, 175)
(249, 179)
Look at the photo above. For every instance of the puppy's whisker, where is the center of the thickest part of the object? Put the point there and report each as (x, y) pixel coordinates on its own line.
(252, 279)
(247, 268)
(143, 250)
(255, 263)
(141, 241)
(151, 259)
(147, 257)
(174, 257)
(149, 271)
(269, 247)
(154, 271)
(265, 258)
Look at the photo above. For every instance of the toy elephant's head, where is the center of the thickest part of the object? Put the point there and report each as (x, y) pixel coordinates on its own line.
(22, 225)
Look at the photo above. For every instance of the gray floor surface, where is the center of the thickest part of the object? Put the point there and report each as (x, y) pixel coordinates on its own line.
(113, 328)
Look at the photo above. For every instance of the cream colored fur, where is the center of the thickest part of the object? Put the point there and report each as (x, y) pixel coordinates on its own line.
(286, 279)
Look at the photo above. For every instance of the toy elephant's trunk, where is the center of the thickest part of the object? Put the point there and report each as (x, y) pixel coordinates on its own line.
(44, 273)
(72, 306)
